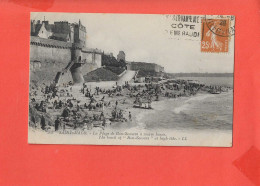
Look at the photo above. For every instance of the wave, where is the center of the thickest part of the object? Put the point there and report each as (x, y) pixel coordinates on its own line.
(187, 104)
(139, 118)
(180, 109)
(200, 97)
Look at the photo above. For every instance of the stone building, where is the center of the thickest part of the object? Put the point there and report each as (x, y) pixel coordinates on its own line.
(58, 48)
(79, 33)
(148, 67)
(62, 31)
(121, 56)
(43, 30)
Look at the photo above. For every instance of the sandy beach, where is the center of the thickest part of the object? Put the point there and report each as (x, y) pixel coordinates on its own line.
(130, 131)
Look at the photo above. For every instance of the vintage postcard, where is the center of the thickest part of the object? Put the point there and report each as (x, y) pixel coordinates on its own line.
(131, 79)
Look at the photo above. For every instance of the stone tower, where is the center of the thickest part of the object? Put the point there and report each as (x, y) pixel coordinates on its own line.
(76, 58)
(121, 56)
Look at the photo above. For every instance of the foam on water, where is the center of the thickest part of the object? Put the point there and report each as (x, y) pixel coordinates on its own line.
(188, 102)
(200, 97)
(140, 116)
(181, 108)
(203, 111)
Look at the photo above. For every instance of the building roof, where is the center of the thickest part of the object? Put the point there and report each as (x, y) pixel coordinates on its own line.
(37, 29)
(61, 36)
(142, 63)
(62, 27)
(49, 27)
(121, 51)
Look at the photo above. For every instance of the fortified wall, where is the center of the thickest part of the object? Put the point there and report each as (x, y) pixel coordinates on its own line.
(92, 57)
(152, 67)
(48, 56)
(49, 50)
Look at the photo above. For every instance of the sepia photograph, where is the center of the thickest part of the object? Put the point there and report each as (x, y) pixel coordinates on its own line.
(131, 79)
(130, 93)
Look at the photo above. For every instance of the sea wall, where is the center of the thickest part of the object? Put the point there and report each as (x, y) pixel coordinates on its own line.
(45, 71)
(93, 56)
(47, 57)
(49, 50)
(43, 54)
(93, 60)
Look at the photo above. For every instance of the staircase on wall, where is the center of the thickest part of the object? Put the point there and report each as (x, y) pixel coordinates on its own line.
(75, 70)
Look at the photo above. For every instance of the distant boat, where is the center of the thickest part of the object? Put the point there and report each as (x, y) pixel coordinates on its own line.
(141, 107)
(214, 92)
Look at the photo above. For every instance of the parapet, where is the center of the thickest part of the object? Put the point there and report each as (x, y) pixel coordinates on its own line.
(49, 42)
(91, 50)
(61, 44)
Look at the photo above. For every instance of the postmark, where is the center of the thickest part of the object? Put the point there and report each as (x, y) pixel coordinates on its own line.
(183, 27)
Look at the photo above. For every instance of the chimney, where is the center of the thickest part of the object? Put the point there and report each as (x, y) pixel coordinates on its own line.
(32, 27)
(46, 22)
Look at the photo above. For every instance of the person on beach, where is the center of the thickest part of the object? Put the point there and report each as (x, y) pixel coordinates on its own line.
(101, 117)
(140, 103)
(104, 122)
(113, 113)
(120, 114)
(43, 124)
(57, 124)
(33, 121)
(149, 105)
(65, 112)
(130, 116)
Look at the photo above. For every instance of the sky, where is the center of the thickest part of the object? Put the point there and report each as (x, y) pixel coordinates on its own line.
(143, 39)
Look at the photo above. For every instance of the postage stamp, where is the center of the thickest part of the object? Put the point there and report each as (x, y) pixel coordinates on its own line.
(215, 34)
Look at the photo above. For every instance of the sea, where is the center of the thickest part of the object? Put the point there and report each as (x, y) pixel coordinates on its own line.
(200, 112)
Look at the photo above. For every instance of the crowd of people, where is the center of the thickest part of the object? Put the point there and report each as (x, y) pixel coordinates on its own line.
(71, 112)
(97, 106)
